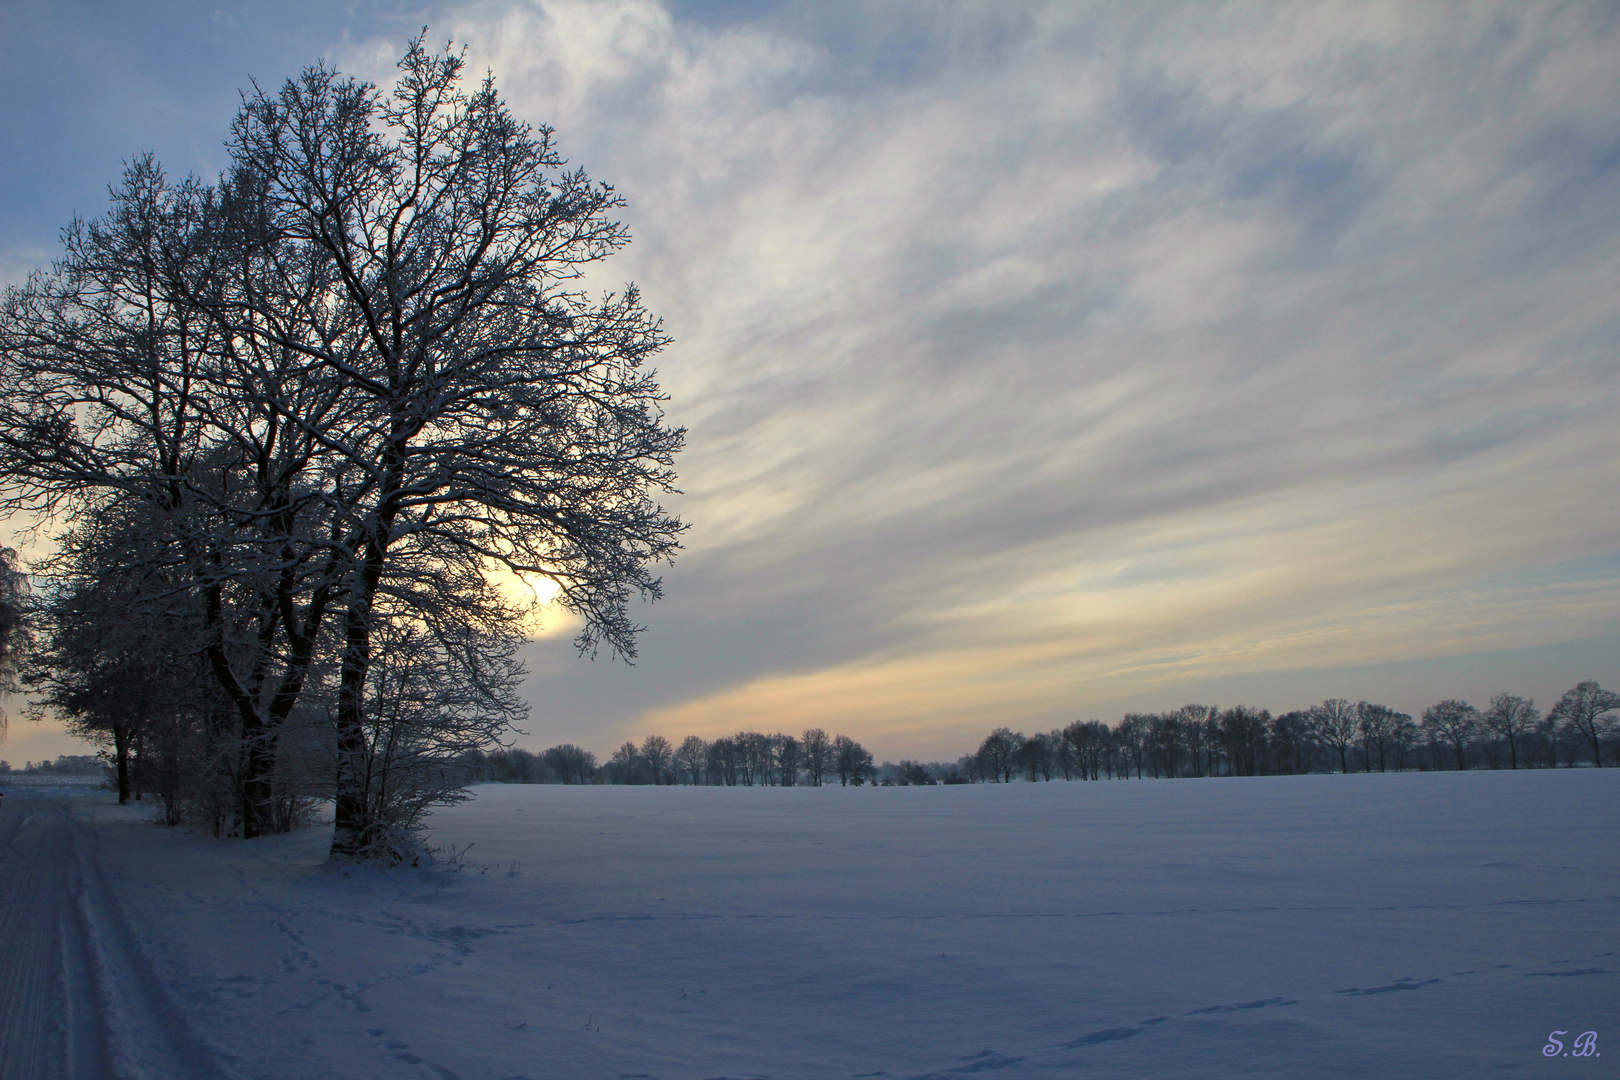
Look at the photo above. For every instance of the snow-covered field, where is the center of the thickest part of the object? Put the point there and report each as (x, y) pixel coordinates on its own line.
(21, 779)
(1321, 926)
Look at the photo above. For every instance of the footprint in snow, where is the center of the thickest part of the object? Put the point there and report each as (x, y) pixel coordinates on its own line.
(1106, 1035)
(1264, 1003)
(1398, 984)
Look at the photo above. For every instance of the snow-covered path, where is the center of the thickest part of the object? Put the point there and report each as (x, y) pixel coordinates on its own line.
(77, 999)
(50, 1023)
(1361, 926)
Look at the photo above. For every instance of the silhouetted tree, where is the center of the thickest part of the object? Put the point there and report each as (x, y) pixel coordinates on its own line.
(1244, 736)
(787, 750)
(1375, 724)
(1335, 724)
(435, 691)
(690, 758)
(571, 764)
(510, 765)
(753, 757)
(625, 765)
(1132, 735)
(119, 657)
(106, 661)
(1193, 734)
(851, 760)
(1292, 744)
(1547, 736)
(1095, 741)
(1063, 753)
(1212, 740)
(998, 754)
(1165, 741)
(1587, 708)
(658, 755)
(1404, 738)
(1511, 718)
(1455, 722)
(724, 762)
(358, 370)
(1036, 755)
(1104, 749)
(913, 773)
(817, 753)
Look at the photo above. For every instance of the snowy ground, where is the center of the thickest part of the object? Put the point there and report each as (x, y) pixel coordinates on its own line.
(22, 779)
(1325, 926)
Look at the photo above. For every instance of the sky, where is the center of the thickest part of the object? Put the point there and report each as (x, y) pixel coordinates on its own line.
(1040, 362)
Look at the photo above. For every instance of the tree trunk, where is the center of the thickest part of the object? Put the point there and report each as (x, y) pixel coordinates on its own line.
(136, 775)
(352, 826)
(121, 757)
(353, 829)
(258, 783)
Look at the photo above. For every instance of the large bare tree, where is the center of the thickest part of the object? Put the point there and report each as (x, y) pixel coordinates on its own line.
(116, 655)
(355, 376)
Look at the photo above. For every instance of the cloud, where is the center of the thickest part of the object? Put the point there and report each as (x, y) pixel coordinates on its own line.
(1105, 349)
(1043, 355)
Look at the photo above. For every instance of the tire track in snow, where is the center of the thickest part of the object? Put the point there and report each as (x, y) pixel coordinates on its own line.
(148, 1036)
(85, 1024)
(32, 1040)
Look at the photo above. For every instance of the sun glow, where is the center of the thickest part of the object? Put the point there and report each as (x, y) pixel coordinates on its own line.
(540, 599)
(543, 589)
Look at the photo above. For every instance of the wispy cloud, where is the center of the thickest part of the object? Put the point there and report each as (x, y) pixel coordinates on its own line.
(1048, 356)
(1095, 349)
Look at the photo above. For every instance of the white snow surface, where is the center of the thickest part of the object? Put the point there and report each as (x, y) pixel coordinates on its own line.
(1417, 925)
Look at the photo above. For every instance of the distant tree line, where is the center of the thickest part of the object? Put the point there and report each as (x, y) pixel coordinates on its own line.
(1335, 736)
(1192, 741)
(746, 759)
(64, 765)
